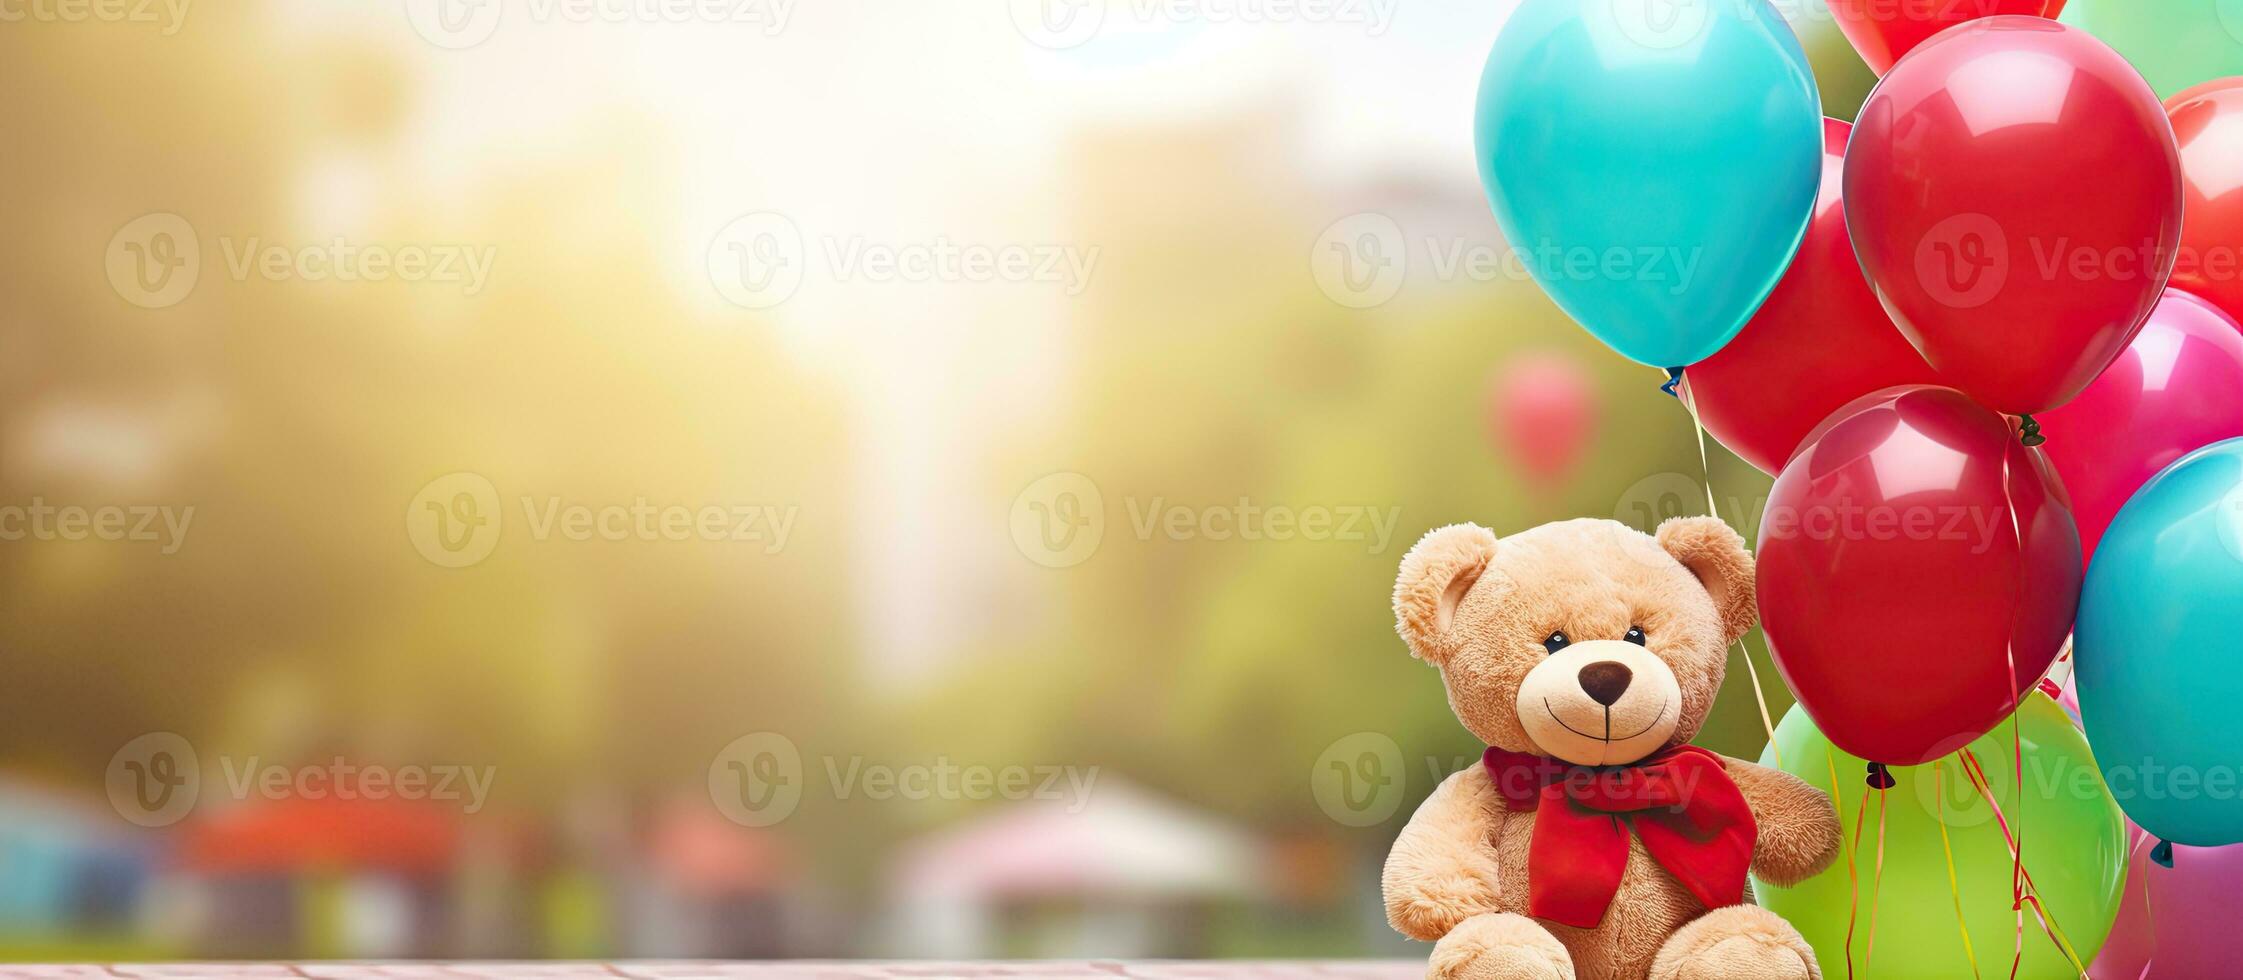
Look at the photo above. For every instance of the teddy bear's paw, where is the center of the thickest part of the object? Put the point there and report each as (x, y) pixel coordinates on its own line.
(1500, 947)
(1741, 942)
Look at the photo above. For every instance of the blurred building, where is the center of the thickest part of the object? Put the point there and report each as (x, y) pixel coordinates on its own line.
(1129, 875)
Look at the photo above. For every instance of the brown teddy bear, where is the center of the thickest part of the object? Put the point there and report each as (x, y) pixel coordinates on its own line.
(1593, 840)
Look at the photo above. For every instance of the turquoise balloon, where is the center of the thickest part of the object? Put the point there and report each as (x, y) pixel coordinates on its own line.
(2160, 669)
(1652, 162)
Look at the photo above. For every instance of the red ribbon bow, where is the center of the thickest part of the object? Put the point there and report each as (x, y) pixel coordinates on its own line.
(1681, 803)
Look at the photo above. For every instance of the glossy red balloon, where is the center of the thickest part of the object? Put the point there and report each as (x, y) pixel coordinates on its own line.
(2208, 123)
(1820, 341)
(1542, 411)
(2177, 389)
(2015, 195)
(1904, 607)
(1884, 30)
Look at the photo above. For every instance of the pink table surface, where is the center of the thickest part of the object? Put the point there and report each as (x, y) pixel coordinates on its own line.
(1098, 970)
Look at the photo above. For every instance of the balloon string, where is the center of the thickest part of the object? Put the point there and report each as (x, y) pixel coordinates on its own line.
(2149, 910)
(1954, 884)
(1976, 771)
(1876, 885)
(1853, 881)
(2017, 703)
(1744, 650)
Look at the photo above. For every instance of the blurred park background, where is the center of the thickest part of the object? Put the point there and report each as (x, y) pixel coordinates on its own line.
(1064, 397)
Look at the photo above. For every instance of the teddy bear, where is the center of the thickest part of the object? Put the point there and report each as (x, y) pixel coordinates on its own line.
(1593, 840)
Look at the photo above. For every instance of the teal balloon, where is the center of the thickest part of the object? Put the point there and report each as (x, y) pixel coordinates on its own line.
(2160, 671)
(2175, 44)
(1652, 162)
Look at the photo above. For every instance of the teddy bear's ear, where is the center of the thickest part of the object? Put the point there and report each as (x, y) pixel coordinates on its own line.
(1716, 554)
(1435, 576)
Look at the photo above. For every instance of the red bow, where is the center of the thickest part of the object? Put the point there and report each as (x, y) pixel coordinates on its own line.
(1681, 803)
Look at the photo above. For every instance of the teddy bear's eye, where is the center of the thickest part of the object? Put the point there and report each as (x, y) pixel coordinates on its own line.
(1635, 635)
(1557, 641)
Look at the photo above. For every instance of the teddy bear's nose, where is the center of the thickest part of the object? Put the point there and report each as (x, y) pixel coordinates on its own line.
(1606, 680)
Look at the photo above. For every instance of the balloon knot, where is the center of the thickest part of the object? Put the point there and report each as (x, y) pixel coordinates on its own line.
(2030, 432)
(1880, 777)
(2162, 854)
(1674, 378)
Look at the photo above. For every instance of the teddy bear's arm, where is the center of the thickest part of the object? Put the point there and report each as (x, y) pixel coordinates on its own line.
(1442, 870)
(1798, 825)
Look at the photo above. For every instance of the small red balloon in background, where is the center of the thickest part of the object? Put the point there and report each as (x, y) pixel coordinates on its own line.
(1918, 572)
(1542, 412)
(1820, 341)
(2015, 195)
(2177, 389)
(2208, 123)
(1885, 30)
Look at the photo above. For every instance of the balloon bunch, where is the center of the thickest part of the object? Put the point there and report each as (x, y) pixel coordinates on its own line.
(1984, 334)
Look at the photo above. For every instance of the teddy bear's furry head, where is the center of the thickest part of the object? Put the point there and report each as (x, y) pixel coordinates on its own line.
(1585, 640)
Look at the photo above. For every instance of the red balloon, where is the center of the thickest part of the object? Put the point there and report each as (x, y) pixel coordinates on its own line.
(1884, 30)
(1542, 409)
(2015, 195)
(2177, 389)
(1918, 572)
(2208, 122)
(1820, 341)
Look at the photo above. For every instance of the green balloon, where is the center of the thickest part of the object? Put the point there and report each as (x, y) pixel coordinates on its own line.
(2075, 849)
(1845, 80)
(2176, 44)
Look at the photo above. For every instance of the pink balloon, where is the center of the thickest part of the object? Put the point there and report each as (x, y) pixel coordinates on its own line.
(2191, 905)
(1542, 410)
(2177, 388)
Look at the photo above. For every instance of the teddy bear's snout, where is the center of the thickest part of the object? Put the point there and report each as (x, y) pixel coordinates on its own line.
(1600, 703)
(1605, 681)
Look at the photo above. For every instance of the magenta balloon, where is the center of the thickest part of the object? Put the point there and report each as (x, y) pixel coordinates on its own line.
(2191, 905)
(2176, 389)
